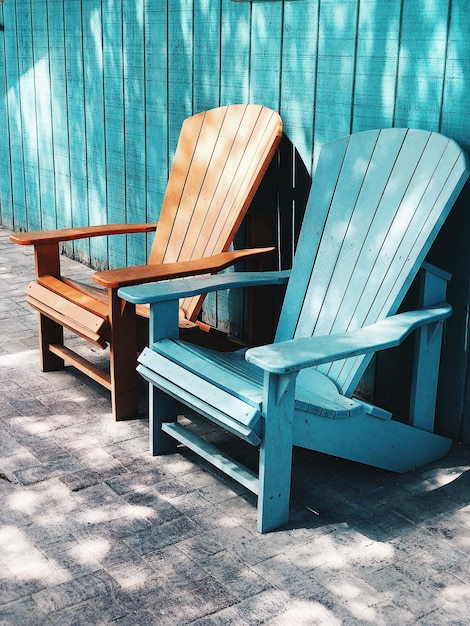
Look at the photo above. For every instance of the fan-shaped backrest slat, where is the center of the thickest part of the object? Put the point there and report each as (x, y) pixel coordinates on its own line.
(385, 196)
(221, 157)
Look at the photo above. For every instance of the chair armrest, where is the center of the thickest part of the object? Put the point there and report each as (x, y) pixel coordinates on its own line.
(81, 232)
(165, 271)
(187, 287)
(294, 355)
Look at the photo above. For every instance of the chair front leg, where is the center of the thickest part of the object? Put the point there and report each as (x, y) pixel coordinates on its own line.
(275, 465)
(123, 358)
(162, 407)
(47, 261)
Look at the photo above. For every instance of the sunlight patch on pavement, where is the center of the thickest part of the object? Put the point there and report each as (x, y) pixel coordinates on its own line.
(26, 562)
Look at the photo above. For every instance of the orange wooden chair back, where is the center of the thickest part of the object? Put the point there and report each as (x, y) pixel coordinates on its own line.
(221, 157)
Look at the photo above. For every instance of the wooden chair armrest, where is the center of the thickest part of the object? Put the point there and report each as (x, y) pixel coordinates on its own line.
(195, 286)
(292, 356)
(165, 271)
(81, 232)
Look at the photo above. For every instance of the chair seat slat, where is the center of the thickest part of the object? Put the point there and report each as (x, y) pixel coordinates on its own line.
(226, 409)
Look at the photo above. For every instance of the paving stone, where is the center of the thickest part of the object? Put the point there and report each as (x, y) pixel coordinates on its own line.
(126, 567)
(72, 556)
(223, 526)
(102, 610)
(387, 613)
(25, 561)
(31, 407)
(252, 611)
(454, 527)
(24, 612)
(130, 482)
(54, 497)
(462, 571)
(354, 594)
(101, 499)
(156, 593)
(418, 598)
(177, 567)
(129, 524)
(202, 545)
(6, 410)
(67, 594)
(75, 481)
(306, 613)
(282, 574)
(194, 504)
(45, 530)
(13, 589)
(219, 489)
(455, 616)
(240, 579)
(98, 459)
(9, 445)
(253, 548)
(151, 505)
(194, 600)
(139, 617)
(36, 474)
(163, 534)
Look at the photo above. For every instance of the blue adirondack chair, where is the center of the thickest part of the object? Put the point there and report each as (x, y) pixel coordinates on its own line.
(377, 201)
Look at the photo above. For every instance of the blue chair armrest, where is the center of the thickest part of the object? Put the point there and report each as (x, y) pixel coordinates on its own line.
(192, 286)
(297, 354)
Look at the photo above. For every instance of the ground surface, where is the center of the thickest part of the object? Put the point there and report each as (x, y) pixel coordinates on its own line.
(93, 530)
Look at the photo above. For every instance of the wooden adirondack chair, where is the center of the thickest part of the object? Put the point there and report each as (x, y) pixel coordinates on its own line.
(221, 157)
(377, 201)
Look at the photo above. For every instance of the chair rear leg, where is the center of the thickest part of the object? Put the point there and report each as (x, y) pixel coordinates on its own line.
(123, 359)
(50, 332)
(124, 385)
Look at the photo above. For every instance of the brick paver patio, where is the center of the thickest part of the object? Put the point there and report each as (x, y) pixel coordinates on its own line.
(93, 530)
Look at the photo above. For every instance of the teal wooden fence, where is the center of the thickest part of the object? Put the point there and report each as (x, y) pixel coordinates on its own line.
(93, 94)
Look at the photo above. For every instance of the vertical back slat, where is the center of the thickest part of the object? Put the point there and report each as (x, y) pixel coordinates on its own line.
(321, 194)
(243, 169)
(451, 169)
(354, 247)
(134, 127)
(13, 189)
(221, 157)
(96, 187)
(176, 183)
(382, 224)
(26, 109)
(377, 211)
(244, 165)
(339, 239)
(196, 219)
